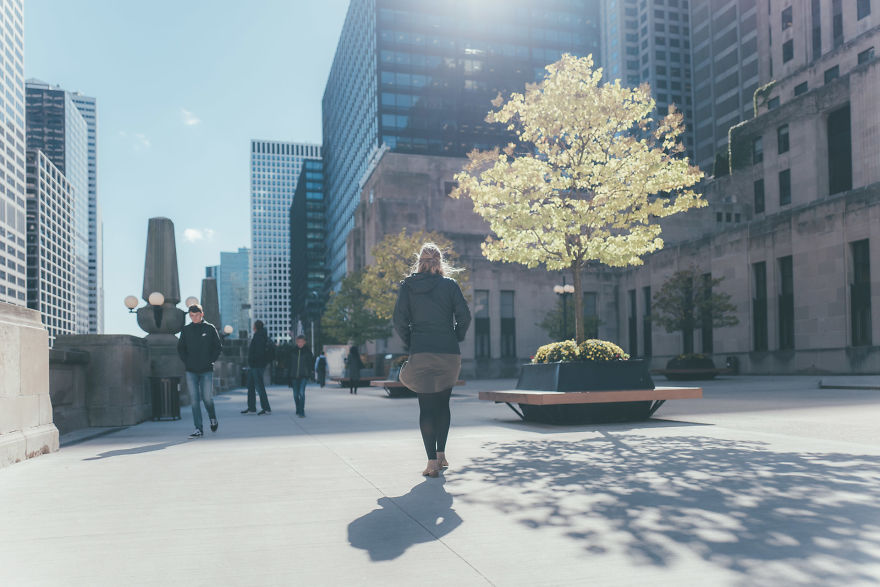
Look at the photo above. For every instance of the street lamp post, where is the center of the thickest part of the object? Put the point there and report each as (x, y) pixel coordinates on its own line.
(564, 290)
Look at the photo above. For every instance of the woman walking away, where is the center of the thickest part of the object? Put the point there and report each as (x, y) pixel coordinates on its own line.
(353, 365)
(432, 317)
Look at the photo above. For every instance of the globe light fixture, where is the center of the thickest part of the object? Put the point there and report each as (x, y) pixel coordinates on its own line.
(156, 299)
(227, 330)
(131, 303)
(191, 301)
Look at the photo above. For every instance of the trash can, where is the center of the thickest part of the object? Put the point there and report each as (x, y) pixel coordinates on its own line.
(165, 393)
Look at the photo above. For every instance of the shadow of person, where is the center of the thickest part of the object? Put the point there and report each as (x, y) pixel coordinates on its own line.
(422, 515)
(134, 450)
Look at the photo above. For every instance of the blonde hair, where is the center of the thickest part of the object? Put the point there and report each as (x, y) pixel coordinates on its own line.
(430, 260)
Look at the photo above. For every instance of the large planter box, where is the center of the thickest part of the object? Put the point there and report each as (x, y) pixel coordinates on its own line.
(586, 376)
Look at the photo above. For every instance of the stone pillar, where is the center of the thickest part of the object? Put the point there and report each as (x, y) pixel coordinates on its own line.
(211, 303)
(26, 427)
(117, 377)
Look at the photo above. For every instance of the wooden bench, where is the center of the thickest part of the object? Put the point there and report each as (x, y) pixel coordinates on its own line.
(575, 406)
(362, 381)
(395, 388)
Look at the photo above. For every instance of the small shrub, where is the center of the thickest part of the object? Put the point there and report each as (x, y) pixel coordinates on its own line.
(589, 350)
(690, 361)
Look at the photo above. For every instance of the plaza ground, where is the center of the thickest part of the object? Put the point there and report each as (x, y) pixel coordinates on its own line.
(765, 481)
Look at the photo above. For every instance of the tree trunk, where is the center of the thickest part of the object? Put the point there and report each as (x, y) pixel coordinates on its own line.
(578, 303)
(688, 338)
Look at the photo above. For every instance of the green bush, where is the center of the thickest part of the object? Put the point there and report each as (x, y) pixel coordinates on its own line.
(589, 350)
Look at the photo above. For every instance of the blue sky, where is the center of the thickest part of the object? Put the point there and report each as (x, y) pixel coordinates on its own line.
(182, 87)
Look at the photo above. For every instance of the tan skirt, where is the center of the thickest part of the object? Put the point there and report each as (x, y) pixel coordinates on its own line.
(431, 372)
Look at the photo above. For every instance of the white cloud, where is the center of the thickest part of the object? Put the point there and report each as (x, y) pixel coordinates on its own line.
(189, 119)
(139, 141)
(192, 235)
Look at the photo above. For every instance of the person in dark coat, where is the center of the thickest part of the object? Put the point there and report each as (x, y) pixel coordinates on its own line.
(199, 346)
(301, 370)
(260, 352)
(353, 366)
(321, 369)
(431, 316)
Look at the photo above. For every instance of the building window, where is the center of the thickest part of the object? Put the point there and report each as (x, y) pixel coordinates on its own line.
(839, 151)
(815, 13)
(786, 304)
(863, 8)
(759, 196)
(757, 150)
(785, 187)
(633, 326)
(860, 293)
(646, 322)
(773, 103)
(782, 139)
(837, 22)
(482, 346)
(591, 315)
(866, 55)
(508, 325)
(787, 51)
(786, 18)
(832, 73)
(759, 306)
(801, 88)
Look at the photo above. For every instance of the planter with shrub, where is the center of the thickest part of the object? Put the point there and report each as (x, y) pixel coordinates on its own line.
(594, 365)
(690, 367)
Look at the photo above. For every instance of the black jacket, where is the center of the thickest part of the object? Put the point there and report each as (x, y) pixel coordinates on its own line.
(261, 349)
(302, 363)
(431, 314)
(199, 346)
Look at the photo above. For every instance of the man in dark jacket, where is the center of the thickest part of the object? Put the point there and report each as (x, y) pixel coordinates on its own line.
(198, 347)
(260, 353)
(301, 369)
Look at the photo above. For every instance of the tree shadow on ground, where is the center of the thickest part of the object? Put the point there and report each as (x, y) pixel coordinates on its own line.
(424, 514)
(775, 517)
(135, 450)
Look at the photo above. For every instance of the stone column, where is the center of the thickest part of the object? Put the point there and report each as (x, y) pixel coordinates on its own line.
(26, 427)
(211, 303)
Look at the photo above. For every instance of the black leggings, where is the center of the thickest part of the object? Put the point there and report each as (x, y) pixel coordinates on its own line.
(434, 421)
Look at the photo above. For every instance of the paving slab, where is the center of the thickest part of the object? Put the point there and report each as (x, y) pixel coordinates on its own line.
(765, 481)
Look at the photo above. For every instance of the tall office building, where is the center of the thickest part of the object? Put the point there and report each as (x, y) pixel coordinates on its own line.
(308, 273)
(233, 290)
(416, 76)
(650, 41)
(725, 65)
(13, 231)
(275, 168)
(50, 245)
(88, 108)
(56, 127)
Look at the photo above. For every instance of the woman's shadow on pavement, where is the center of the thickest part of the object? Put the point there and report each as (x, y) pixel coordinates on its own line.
(424, 514)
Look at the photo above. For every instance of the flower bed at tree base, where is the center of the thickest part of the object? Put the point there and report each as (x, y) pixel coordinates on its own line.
(587, 413)
(585, 376)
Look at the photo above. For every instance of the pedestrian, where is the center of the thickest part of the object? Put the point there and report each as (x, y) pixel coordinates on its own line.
(432, 317)
(198, 347)
(321, 369)
(301, 369)
(260, 352)
(353, 366)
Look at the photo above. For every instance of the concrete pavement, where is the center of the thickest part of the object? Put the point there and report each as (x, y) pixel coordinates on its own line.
(766, 481)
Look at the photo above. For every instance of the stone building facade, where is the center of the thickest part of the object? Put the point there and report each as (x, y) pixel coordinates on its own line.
(507, 300)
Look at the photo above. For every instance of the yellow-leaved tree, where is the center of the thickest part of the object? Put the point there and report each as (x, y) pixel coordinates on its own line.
(592, 173)
(394, 257)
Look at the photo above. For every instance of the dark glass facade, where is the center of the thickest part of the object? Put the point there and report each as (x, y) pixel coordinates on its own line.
(419, 77)
(307, 237)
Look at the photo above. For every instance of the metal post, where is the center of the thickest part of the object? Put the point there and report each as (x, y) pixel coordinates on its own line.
(313, 336)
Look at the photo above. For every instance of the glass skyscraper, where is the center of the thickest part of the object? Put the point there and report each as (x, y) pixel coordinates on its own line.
(13, 256)
(233, 290)
(56, 127)
(416, 76)
(89, 109)
(275, 168)
(307, 237)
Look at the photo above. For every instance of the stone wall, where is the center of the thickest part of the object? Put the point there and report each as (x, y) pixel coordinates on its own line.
(68, 389)
(26, 427)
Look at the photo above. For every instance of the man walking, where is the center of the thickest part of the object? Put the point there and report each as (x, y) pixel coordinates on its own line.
(301, 368)
(260, 352)
(321, 369)
(198, 347)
